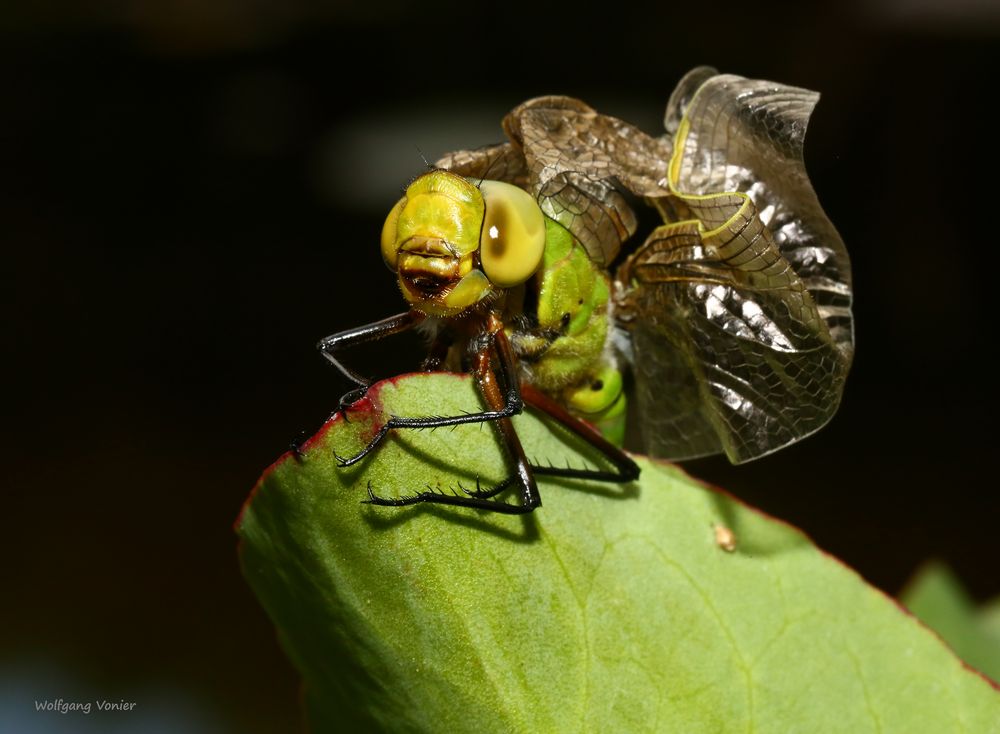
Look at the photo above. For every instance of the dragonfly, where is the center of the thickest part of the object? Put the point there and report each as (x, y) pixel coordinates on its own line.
(727, 330)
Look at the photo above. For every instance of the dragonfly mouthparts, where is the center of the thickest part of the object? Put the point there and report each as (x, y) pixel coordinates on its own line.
(428, 247)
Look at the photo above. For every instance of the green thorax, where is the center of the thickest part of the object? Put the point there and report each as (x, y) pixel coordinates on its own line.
(570, 302)
(561, 341)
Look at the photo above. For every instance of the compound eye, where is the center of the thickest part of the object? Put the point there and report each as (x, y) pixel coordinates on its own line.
(513, 236)
(389, 244)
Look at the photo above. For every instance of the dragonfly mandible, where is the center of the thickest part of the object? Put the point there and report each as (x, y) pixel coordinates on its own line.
(731, 321)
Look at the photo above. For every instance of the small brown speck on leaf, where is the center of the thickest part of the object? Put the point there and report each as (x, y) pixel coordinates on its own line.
(725, 538)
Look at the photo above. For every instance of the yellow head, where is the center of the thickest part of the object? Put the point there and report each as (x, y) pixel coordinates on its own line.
(454, 244)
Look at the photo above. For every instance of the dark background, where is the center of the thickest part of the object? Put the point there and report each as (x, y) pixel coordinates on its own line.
(191, 194)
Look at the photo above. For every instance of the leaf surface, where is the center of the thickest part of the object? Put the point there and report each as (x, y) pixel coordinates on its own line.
(610, 609)
(938, 599)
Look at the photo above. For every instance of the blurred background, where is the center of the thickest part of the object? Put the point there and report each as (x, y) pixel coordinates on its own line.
(191, 195)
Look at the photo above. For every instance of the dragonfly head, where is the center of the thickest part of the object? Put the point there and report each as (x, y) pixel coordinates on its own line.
(454, 244)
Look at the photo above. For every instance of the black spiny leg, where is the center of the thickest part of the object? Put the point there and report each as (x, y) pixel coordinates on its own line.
(329, 346)
(504, 404)
(626, 470)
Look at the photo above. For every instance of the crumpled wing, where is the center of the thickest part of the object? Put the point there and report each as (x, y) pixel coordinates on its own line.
(575, 161)
(501, 162)
(739, 307)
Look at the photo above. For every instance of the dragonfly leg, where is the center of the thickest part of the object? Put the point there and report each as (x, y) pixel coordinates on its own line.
(473, 500)
(329, 347)
(438, 352)
(348, 399)
(295, 445)
(625, 470)
(503, 403)
(507, 403)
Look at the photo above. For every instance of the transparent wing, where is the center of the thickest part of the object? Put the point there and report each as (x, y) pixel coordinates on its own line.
(739, 307)
(746, 135)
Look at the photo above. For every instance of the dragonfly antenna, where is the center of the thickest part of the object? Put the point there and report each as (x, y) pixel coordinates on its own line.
(486, 173)
(424, 159)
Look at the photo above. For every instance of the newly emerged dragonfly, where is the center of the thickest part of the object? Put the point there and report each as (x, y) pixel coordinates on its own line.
(732, 319)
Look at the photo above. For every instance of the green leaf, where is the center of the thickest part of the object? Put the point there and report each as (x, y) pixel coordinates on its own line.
(609, 609)
(938, 599)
